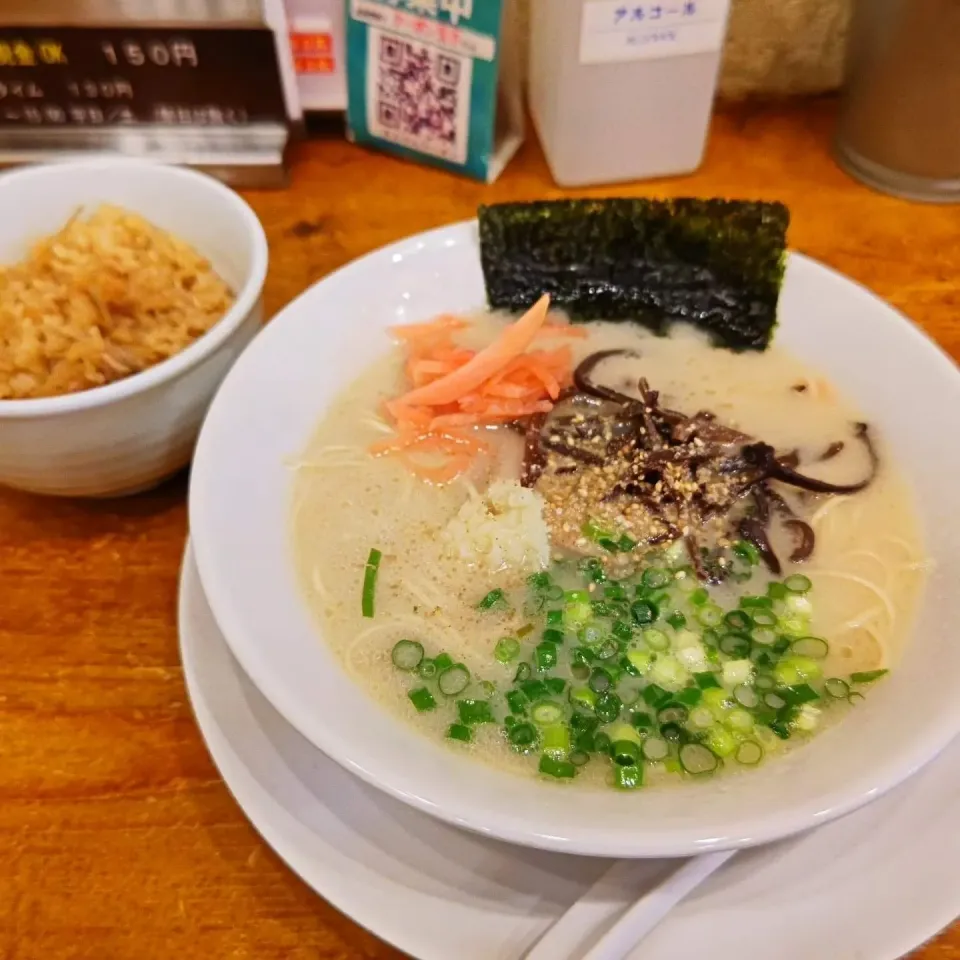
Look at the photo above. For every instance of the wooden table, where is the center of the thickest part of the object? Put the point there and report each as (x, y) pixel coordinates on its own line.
(117, 839)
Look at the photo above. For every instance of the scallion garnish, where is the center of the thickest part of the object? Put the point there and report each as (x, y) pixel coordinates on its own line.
(507, 649)
(474, 711)
(453, 680)
(422, 699)
(867, 676)
(370, 572)
(494, 598)
(554, 767)
(797, 583)
(457, 731)
(407, 654)
(697, 759)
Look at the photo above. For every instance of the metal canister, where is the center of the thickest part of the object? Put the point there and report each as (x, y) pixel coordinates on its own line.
(899, 128)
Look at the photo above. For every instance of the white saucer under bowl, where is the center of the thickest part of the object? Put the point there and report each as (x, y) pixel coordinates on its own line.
(870, 886)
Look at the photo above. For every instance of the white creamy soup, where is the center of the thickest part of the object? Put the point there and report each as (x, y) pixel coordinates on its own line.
(628, 653)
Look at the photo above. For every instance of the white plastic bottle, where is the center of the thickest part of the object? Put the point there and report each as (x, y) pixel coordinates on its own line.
(623, 89)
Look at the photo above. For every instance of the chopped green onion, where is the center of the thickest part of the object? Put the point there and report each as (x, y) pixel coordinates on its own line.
(522, 735)
(442, 661)
(781, 729)
(721, 741)
(525, 630)
(539, 581)
(747, 552)
(856, 698)
(709, 615)
(554, 618)
(746, 696)
(641, 720)
(749, 753)
(689, 696)
(867, 676)
(427, 668)
(516, 701)
(600, 681)
(608, 707)
(672, 732)
(627, 777)
(626, 753)
(656, 639)
(655, 696)
(422, 699)
(474, 711)
(492, 599)
(764, 681)
(763, 618)
(696, 759)
(546, 712)
(643, 612)
(738, 620)
(534, 690)
(407, 654)
(453, 680)
(561, 769)
(507, 649)
(545, 656)
(592, 569)
(776, 590)
(793, 670)
(837, 688)
(656, 578)
(797, 583)
(524, 672)
(457, 731)
(677, 620)
(699, 597)
(555, 685)
(608, 649)
(673, 713)
(774, 701)
(655, 749)
(701, 718)
(705, 680)
(583, 697)
(739, 720)
(601, 743)
(755, 603)
(554, 592)
(593, 531)
(735, 645)
(555, 740)
(810, 647)
(370, 572)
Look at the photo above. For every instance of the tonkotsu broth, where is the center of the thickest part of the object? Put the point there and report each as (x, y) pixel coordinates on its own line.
(867, 569)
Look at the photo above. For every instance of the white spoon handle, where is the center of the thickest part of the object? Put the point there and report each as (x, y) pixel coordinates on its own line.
(593, 908)
(654, 905)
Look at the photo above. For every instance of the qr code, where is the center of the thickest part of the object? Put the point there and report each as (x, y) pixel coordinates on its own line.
(418, 96)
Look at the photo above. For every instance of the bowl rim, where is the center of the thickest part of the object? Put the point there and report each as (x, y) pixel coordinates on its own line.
(885, 773)
(200, 349)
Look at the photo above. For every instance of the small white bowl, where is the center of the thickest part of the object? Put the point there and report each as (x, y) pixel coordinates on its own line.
(129, 435)
(240, 525)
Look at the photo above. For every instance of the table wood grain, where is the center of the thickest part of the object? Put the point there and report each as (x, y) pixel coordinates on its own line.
(118, 841)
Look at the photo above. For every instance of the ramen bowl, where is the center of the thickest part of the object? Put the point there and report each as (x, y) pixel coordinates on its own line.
(240, 498)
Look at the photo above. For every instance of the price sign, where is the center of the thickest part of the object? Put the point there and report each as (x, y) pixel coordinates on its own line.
(84, 77)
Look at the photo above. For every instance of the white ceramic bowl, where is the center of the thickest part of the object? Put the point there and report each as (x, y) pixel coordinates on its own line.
(239, 499)
(131, 434)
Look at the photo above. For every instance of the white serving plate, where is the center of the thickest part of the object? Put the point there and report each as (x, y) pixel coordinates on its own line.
(871, 886)
(270, 404)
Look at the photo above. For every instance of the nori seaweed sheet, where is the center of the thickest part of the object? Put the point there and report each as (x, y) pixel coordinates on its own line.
(714, 263)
